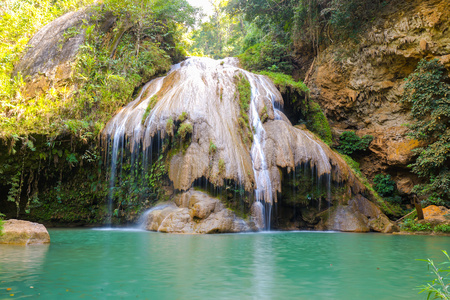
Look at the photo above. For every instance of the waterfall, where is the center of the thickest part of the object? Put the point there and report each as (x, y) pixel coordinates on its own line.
(204, 91)
(263, 191)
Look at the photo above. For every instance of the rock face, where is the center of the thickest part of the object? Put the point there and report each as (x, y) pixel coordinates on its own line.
(436, 215)
(50, 55)
(360, 215)
(195, 212)
(360, 85)
(20, 232)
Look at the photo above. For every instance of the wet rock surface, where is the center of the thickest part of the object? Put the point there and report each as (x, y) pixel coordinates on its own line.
(196, 212)
(18, 232)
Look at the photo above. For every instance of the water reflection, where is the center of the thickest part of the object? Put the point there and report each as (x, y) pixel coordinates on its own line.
(21, 267)
(121, 264)
(263, 267)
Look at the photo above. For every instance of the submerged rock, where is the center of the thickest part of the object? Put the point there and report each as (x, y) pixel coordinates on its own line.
(18, 232)
(195, 212)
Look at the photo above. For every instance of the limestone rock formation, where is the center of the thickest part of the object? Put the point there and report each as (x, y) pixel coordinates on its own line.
(205, 92)
(20, 232)
(359, 85)
(194, 119)
(195, 212)
(360, 215)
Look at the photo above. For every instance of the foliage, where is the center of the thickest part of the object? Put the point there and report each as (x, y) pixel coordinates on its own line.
(50, 135)
(283, 81)
(438, 288)
(386, 188)
(442, 228)
(389, 208)
(349, 142)
(220, 36)
(244, 96)
(110, 66)
(184, 130)
(19, 20)
(427, 90)
(212, 147)
(183, 116)
(412, 225)
(1, 223)
(268, 54)
(317, 122)
(170, 126)
(308, 23)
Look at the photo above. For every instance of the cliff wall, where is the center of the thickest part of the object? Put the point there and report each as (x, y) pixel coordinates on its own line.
(359, 84)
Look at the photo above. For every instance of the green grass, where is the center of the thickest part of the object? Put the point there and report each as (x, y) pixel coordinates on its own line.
(283, 81)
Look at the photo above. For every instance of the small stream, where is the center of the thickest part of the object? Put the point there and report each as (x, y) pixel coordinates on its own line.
(126, 264)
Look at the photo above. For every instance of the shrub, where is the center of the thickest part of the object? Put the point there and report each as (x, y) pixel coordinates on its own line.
(427, 90)
(184, 130)
(442, 228)
(183, 116)
(318, 123)
(212, 147)
(412, 225)
(267, 55)
(384, 185)
(349, 142)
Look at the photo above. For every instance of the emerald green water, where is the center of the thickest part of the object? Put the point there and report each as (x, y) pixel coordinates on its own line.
(120, 264)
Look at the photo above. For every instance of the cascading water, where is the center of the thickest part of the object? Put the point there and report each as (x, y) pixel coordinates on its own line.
(194, 109)
(263, 191)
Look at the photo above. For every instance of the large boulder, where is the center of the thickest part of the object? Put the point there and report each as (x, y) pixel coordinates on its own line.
(195, 212)
(18, 232)
(360, 215)
(346, 218)
(51, 53)
(436, 215)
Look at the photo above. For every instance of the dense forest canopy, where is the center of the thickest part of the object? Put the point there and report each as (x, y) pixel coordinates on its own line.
(269, 34)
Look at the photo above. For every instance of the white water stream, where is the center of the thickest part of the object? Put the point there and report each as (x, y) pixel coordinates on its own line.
(205, 90)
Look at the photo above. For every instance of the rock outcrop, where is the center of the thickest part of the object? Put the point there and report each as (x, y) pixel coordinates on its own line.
(18, 232)
(436, 215)
(359, 85)
(49, 59)
(360, 215)
(195, 212)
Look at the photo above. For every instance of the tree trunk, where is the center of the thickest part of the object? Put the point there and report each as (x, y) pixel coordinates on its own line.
(418, 207)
